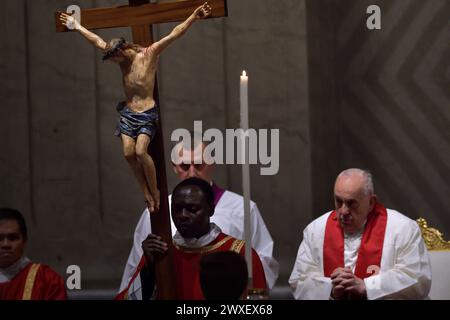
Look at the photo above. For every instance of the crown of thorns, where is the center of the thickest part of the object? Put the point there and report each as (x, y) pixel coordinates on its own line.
(116, 46)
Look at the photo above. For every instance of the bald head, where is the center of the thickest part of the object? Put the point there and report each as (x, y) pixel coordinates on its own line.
(354, 198)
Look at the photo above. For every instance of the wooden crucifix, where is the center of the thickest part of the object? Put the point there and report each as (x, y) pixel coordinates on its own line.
(140, 15)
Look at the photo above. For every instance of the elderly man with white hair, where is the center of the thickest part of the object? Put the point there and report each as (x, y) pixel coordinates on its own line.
(361, 250)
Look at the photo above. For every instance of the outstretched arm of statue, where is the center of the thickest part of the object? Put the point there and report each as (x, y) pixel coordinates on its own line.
(72, 23)
(201, 12)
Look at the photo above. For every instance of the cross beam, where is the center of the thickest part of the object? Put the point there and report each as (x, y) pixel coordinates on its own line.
(144, 14)
(140, 15)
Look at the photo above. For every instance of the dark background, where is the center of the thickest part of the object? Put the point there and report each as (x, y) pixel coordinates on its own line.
(341, 95)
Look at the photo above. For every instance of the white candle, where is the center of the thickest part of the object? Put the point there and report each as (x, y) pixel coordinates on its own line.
(246, 177)
(244, 101)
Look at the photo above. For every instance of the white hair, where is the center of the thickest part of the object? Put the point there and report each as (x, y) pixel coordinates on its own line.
(365, 174)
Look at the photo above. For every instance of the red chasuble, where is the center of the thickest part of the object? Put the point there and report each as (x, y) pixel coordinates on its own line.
(370, 251)
(34, 282)
(187, 267)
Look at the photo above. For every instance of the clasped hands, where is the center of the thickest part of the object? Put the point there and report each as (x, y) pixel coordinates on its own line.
(346, 285)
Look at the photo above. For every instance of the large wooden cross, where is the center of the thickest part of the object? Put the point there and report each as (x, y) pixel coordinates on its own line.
(140, 15)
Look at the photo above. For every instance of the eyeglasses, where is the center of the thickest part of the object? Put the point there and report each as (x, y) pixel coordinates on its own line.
(187, 166)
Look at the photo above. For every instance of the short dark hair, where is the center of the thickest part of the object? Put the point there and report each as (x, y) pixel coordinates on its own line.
(223, 275)
(13, 214)
(204, 186)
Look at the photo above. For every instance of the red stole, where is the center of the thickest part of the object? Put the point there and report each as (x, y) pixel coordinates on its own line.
(187, 265)
(370, 251)
(34, 282)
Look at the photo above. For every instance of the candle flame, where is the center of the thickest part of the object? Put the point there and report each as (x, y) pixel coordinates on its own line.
(244, 74)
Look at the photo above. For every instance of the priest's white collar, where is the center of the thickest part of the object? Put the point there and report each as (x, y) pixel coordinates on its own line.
(7, 274)
(195, 243)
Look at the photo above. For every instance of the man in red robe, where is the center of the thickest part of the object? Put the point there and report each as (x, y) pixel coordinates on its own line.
(191, 209)
(21, 279)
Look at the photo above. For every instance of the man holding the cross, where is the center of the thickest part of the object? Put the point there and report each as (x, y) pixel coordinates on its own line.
(138, 114)
(191, 208)
(228, 213)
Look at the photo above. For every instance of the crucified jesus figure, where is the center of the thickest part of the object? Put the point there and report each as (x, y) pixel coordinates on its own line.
(138, 114)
